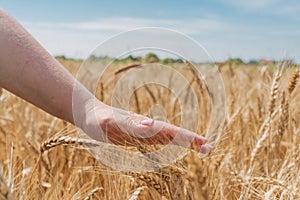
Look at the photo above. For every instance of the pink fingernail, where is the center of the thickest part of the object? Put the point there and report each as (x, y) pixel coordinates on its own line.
(147, 122)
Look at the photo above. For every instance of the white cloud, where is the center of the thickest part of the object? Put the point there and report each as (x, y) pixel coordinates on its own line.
(222, 38)
(124, 24)
(78, 39)
(277, 7)
(251, 5)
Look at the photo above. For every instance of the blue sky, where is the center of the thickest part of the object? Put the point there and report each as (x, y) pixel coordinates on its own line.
(226, 28)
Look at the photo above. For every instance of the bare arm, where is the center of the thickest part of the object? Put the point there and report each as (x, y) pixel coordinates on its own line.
(29, 71)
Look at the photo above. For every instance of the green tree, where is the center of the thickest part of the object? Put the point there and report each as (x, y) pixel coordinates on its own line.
(151, 58)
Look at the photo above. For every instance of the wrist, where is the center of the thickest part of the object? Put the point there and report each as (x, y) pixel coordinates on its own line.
(92, 117)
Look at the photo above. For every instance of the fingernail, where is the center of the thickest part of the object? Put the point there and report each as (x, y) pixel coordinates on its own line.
(147, 122)
(206, 148)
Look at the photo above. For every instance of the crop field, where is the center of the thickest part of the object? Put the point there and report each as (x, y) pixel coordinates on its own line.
(257, 156)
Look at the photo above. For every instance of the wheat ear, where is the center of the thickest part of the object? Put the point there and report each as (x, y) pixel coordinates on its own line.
(266, 133)
(66, 140)
(293, 81)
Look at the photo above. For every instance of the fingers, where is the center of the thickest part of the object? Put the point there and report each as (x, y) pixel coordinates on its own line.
(206, 148)
(158, 132)
(185, 138)
(127, 128)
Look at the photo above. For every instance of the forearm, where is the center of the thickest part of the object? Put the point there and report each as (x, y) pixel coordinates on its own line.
(29, 71)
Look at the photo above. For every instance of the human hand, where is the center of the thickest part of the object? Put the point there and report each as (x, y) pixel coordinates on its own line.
(113, 125)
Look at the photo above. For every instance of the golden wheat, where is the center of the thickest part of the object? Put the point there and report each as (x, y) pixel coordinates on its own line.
(257, 157)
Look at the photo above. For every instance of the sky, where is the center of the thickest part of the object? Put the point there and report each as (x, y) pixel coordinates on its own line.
(268, 29)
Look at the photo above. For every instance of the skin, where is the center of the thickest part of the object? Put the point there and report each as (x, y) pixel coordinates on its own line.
(30, 72)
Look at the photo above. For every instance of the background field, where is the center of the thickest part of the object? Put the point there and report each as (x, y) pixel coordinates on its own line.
(256, 157)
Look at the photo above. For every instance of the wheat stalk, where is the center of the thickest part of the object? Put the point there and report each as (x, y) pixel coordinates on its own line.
(137, 193)
(226, 173)
(127, 68)
(266, 133)
(5, 193)
(150, 93)
(92, 193)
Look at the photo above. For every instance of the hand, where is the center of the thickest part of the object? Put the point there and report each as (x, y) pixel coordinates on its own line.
(112, 125)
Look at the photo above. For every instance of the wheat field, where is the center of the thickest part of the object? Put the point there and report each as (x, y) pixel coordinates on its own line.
(256, 157)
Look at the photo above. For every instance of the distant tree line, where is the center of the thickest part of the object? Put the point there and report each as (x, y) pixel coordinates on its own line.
(148, 58)
(153, 58)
